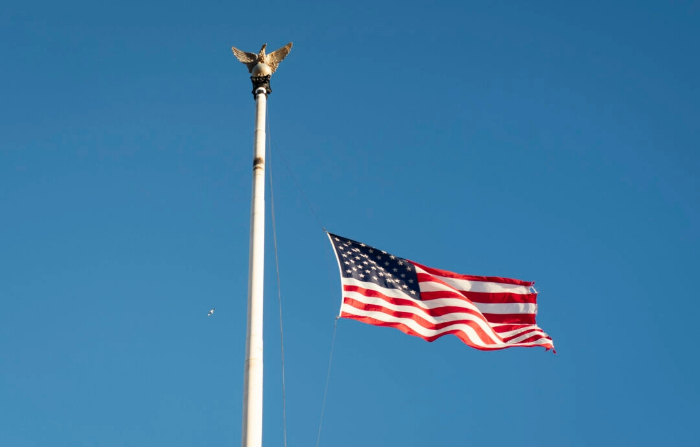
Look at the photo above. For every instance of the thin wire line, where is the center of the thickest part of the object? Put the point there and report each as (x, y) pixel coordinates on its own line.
(330, 360)
(335, 324)
(279, 288)
(301, 191)
(328, 378)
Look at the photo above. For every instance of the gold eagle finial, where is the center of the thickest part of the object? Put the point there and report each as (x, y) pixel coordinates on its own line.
(262, 64)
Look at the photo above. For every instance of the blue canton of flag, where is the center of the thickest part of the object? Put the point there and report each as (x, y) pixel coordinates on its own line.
(367, 264)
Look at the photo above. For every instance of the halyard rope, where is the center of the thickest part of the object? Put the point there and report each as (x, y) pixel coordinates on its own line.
(279, 288)
(279, 292)
(328, 378)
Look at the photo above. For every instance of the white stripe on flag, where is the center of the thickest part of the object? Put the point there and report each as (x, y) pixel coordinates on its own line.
(479, 286)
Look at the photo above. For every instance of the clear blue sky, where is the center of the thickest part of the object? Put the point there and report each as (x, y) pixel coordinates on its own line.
(546, 142)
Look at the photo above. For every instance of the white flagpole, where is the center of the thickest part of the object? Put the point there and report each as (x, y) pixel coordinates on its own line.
(253, 375)
(261, 66)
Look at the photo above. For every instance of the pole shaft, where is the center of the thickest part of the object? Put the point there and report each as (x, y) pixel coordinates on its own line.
(253, 375)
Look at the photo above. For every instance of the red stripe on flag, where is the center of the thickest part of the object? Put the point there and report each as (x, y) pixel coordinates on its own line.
(511, 318)
(484, 298)
(511, 327)
(537, 337)
(497, 279)
(520, 334)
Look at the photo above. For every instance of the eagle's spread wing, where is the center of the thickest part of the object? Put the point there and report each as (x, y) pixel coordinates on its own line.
(273, 59)
(249, 59)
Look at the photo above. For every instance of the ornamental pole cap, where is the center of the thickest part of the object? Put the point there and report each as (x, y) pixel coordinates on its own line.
(262, 64)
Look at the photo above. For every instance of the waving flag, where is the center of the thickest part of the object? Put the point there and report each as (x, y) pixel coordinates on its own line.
(485, 312)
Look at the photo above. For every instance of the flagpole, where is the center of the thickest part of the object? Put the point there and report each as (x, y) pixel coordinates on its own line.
(261, 66)
(253, 375)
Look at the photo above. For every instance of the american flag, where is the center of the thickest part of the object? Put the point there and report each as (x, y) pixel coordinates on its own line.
(485, 312)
